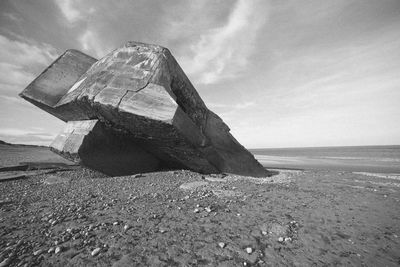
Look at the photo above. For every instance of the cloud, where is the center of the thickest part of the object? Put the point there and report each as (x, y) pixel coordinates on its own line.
(21, 60)
(14, 100)
(92, 43)
(75, 11)
(239, 106)
(13, 17)
(69, 10)
(224, 52)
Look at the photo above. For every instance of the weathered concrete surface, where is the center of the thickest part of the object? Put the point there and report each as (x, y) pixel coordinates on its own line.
(139, 90)
(92, 144)
(55, 82)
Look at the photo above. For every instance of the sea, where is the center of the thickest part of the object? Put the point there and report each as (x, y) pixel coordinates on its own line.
(383, 160)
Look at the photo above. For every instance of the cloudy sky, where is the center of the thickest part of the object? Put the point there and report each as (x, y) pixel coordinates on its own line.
(280, 73)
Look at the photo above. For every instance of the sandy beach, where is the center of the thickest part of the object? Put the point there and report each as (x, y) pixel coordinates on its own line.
(181, 218)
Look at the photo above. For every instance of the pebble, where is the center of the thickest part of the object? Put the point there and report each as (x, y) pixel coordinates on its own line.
(126, 227)
(58, 250)
(249, 250)
(38, 252)
(221, 244)
(288, 239)
(264, 232)
(5, 262)
(96, 251)
(280, 239)
(196, 210)
(50, 250)
(115, 223)
(208, 209)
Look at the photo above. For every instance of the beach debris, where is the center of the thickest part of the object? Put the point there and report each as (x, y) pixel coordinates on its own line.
(38, 252)
(249, 250)
(280, 239)
(264, 232)
(95, 251)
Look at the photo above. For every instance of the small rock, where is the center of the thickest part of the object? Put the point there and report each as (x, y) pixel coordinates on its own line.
(208, 209)
(264, 232)
(38, 252)
(57, 250)
(5, 262)
(221, 244)
(196, 210)
(96, 251)
(50, 250)
(288, 239)
(280, 239)
(249, 250)
(126, 227)
(115, 223)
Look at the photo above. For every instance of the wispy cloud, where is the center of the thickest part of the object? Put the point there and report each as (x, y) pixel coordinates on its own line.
(91, 43)
(13, 17)
(14, 100)
(223, 52)
(21, 60)
(72, 11)
(232, 106)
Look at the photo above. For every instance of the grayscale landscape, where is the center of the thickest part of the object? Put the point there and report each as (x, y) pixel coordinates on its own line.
(199, 133)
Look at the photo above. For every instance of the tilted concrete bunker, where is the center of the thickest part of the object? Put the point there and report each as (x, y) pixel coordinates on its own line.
(134, 111)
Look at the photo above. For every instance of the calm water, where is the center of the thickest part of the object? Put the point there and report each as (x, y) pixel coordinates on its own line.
(380, 159)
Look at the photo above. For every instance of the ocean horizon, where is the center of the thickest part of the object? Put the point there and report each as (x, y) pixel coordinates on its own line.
(374, 158)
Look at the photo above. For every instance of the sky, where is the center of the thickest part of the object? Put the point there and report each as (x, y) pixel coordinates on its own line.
(280, 73)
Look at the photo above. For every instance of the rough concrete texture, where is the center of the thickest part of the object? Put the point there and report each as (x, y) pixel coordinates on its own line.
(93, 145)
(55, 81)
(140, 91)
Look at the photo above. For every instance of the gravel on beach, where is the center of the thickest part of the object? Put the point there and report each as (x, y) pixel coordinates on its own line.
(181, 218)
